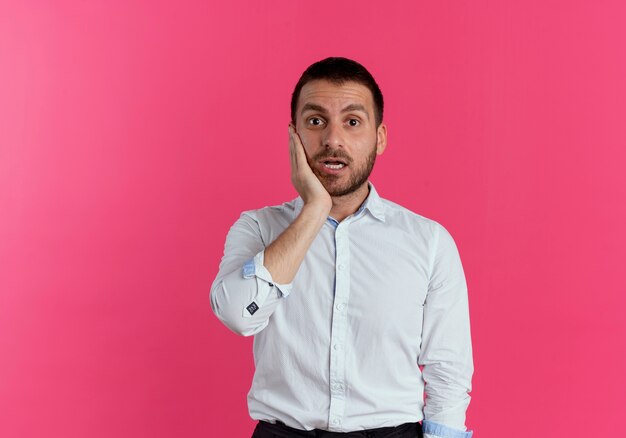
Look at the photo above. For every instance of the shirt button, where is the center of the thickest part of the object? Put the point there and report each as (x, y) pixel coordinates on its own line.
(340, 267)
(271, 284)
(338, 386)
(336, 421)
(337, 346)
(341, 306)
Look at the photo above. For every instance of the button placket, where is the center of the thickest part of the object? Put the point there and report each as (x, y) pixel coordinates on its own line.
(339, 327)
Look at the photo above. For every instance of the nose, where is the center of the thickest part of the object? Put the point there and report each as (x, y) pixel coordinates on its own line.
(333, 136)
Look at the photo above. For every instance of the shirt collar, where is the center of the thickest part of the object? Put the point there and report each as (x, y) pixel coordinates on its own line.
(373, 203)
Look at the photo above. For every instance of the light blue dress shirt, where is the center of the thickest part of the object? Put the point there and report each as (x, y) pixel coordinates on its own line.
(378, 295)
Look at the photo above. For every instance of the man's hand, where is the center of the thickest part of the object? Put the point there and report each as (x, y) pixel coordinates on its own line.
(303, 179)
(284, 255)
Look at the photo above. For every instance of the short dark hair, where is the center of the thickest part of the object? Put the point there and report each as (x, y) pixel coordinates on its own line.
(339, 70)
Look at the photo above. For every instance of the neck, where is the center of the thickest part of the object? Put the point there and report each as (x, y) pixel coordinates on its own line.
(344, 206)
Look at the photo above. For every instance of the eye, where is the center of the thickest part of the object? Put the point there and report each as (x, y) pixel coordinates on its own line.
(354, 122)
(315, 121)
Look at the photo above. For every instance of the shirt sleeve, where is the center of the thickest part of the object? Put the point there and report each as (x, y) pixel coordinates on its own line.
(446, 351)
(243, 295)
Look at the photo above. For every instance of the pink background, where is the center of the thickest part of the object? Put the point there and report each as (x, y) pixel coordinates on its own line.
(132, 134)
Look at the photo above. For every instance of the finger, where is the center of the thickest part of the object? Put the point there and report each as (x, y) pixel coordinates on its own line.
(292, 148)
(301, 156)
(294, 144)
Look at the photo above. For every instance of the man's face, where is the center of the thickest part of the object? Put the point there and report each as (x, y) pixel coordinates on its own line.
(337, 126)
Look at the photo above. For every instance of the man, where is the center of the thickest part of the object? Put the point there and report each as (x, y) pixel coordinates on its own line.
(346, 293)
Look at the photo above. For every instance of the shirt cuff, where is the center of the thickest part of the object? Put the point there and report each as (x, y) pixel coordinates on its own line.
(265, 284)
(432, 430)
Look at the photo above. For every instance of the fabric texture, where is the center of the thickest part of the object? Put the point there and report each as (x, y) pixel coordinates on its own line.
(376, 317)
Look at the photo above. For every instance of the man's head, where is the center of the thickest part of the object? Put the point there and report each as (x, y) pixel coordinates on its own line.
(337, 110)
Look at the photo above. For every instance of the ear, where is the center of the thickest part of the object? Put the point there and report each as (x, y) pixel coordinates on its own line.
(381, 138)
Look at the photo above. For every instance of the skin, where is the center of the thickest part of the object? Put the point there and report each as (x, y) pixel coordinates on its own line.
(332, 121)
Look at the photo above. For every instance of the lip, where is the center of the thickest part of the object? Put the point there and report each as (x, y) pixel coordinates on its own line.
(330, 171)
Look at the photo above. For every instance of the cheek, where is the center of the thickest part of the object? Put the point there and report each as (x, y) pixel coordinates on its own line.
(364, 138)
(308, 141)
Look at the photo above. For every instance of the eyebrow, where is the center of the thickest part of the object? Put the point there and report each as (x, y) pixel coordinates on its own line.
(321, 109)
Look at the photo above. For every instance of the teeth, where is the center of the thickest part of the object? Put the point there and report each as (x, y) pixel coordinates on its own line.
(334, 166)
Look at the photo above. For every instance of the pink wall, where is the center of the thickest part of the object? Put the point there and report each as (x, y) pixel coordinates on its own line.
(132, 134)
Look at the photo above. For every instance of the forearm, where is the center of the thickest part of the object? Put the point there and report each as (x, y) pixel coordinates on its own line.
(284, 256)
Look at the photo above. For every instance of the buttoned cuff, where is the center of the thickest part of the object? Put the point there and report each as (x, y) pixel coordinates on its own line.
(436, 430)
(265, 284)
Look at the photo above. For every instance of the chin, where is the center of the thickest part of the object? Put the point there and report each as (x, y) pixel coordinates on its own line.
(342, 191)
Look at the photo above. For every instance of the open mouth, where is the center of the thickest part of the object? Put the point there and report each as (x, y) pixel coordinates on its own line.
(334, 164)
